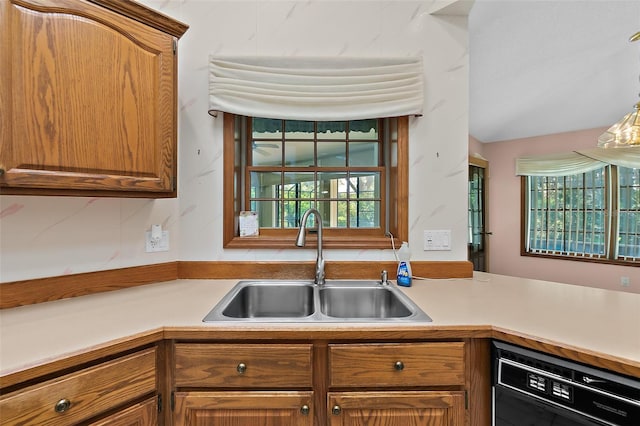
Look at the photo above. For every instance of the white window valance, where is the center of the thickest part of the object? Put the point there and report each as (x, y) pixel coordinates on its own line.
(575, 162)
(316, 89)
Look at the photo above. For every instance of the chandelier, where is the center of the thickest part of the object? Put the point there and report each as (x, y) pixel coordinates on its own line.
(625, 132)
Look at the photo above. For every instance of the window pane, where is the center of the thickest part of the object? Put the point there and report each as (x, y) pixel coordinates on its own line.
(364, 185)
(629, 214)
(332, 185)
(266, 128)
(298, 130)
(299, 185)
(293, 211)
(567, 214)
(266, 153)
(298, 154)
(363, 153)
(363, 130)
(334, 213)
(268, 213)
(316, 147)
(332, 130)
(266, 185)
(332, 154)
(364, 214)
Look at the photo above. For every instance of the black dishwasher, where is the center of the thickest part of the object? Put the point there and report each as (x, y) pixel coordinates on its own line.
(535, 389)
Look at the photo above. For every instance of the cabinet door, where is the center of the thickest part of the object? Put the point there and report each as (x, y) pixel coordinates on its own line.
(88, 100)
(243, 408)
(141, 414)
(396, 408)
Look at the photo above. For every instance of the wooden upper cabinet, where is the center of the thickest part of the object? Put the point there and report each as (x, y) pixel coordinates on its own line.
(88, 98)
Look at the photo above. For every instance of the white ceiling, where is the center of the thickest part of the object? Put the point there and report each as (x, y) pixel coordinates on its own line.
(539, 67)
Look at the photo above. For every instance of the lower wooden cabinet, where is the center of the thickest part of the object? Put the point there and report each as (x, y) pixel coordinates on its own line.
(428, 408)
(243, 384)
(320, 383)
(249, 408)
(271, 383)
(398, 369)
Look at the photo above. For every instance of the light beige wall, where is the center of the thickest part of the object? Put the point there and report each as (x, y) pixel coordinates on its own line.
(504, 217)
(48, 236)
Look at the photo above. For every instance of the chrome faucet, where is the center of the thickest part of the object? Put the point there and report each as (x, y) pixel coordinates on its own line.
(300, 241)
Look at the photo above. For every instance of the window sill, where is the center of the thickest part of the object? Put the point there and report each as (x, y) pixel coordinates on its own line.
(329, 242)
(582, 259)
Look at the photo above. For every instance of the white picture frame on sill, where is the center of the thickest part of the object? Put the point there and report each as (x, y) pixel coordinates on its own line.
(249, 226)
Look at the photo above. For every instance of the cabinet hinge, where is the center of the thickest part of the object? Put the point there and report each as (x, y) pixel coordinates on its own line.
(175, 46)
(159, 403)
(173, 400)
(466, 400)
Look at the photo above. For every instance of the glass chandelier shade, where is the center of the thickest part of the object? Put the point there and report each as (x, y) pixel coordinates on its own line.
(626, 132)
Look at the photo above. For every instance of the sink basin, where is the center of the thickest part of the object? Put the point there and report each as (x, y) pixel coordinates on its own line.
(261, 301)
(362, 302)
(303, 301)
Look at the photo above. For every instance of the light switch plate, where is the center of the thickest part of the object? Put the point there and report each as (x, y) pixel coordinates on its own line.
(437, 239)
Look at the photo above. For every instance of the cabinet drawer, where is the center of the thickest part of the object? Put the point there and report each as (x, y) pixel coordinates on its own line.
(401, 364)
(87, 392)
(239, 366)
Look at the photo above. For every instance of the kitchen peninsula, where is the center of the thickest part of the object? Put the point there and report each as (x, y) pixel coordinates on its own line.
(589, 325)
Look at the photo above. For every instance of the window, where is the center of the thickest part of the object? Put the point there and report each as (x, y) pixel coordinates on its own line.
(593, 215)
(353, 172)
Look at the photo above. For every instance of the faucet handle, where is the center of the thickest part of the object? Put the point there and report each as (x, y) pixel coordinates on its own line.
(384, 279)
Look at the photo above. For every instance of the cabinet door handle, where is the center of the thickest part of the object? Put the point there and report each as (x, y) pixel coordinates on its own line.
(305, 410)
(62, 405)
(336, 410)
(241, 368)
(399, 365)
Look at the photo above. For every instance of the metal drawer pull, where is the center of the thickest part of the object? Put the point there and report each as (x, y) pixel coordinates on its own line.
(241, 368)
(62, 405)
(399, 366)
(336, 410)
(305, 410)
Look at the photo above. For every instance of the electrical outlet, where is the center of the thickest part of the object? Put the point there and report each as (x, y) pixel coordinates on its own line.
(624, 281)
(157, 244)
(437, 239)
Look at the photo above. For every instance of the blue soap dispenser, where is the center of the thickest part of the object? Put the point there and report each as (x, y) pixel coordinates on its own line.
(404, 266)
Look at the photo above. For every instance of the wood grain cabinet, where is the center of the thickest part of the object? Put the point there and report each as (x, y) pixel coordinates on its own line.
(389, 382)
(428, 408)
(320, 383)
(114, 388)
(88, 98)
(243, 384)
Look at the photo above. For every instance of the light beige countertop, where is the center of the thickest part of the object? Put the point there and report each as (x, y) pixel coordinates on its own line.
(595, 321)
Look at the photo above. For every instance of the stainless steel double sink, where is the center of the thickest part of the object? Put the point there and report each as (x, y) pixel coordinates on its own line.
(304, 301)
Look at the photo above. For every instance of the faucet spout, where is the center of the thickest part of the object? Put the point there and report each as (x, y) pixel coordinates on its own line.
(300, 242)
